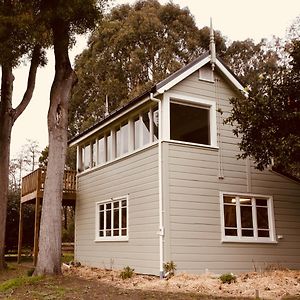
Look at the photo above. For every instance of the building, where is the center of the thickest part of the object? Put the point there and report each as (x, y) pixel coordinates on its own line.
(159, 181)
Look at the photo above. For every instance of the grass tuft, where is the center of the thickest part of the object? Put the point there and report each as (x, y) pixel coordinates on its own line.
(18, 281)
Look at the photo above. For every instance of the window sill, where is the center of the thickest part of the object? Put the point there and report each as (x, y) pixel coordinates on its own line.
(112, 239)
(194, 144)
(249, 241)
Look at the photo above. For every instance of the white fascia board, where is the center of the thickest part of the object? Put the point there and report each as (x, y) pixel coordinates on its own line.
(182, 76)
(231, 78)
(104, 124)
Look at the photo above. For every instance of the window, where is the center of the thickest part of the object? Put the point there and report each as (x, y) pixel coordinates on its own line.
(112, 219)
(247, 218)
(190, 123)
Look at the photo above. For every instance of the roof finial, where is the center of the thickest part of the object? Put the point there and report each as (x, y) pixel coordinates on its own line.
(106, 107)
(212, 46)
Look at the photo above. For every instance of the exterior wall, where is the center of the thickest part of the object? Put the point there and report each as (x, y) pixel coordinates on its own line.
(192, 182)
(137, 176)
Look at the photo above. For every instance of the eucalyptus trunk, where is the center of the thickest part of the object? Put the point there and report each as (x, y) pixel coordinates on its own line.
(6, 123)
(8, 116)
(49, 256)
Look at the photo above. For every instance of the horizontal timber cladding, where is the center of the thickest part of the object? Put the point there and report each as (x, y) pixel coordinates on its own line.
(136, 176)
(192, 200)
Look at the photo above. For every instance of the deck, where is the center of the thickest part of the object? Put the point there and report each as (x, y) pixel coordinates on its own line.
(33, 187)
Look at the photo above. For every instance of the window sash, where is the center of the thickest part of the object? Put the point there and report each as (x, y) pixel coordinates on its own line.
(112, 219)
(254, 231)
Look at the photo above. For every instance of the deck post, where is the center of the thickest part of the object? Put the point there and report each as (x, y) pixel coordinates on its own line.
(20, 238)
(36, 230)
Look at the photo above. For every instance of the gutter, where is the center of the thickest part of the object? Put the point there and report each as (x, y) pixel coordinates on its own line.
(160, 190)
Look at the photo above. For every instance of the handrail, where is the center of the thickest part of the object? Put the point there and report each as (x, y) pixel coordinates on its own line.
(35, 181)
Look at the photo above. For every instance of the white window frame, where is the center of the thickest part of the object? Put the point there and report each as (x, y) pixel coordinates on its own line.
(97, 221)
(245, 239)
(184, 99)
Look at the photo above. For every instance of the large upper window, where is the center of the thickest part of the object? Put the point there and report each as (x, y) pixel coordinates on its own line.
(247, 218)
(190, 123)
(112, 219)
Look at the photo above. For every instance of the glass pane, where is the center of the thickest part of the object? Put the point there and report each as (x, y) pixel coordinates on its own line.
(118, 142)
(94, 154)
(101, 233)
(247, 232)
(124, 137)
(189, 124)
(108, 232)
(124, 217)
(116, 232)
(87, 156)
(146, 128)
(101, 145)
(101, 220)
(124, 232)
(108, 147)
(116, 218)
(116, 204)
(246, 217)
(261, 202)
(263, 233)
(124, 203)
(136, 133)
(262, 217)
(101, 207)
(231, 232)
(245, 201)
(108, 206)
(108, 219)
(155, 123)
(229, 199)
(230, 215)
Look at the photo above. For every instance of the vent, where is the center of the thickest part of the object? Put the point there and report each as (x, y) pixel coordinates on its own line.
(206, 74)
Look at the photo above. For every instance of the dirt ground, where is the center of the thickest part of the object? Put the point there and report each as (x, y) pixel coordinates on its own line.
(91, 283)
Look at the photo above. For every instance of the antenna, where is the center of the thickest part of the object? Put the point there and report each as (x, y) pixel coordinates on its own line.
(212, 46)
(106, 114)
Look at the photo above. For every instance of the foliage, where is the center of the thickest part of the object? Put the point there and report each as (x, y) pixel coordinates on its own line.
(268, 121)
(169, 268)
(126, 273)
(132, 48)
(228, 278)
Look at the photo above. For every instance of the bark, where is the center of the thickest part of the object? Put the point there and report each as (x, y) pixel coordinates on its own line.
(8, 116)
(49, 256)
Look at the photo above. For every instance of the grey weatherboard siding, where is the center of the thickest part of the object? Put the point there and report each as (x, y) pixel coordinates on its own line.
(191, 203)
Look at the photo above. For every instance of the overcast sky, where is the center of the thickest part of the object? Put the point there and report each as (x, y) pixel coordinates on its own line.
(236, 19)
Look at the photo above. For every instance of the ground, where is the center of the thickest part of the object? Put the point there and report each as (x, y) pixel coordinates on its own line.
(91, 283)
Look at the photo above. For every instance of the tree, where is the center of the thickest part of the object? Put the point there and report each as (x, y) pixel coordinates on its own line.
(268, 121)
(134, 47)
(17, 39)
(64, 19)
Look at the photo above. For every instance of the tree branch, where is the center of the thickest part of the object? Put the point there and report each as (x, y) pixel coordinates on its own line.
(35, 61)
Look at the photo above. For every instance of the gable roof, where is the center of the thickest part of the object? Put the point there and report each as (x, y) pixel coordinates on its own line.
(162, 87)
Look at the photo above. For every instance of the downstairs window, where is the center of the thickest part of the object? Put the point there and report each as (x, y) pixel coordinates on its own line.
(247, 218)
(112, 219)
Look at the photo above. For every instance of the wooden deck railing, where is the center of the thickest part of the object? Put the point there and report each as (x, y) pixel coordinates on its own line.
(35, 181)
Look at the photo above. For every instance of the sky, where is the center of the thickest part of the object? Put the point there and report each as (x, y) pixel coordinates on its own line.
(236, 19)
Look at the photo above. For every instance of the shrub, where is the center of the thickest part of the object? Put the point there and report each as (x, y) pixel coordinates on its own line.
(169, 268)
(228, 278)
(127, 273)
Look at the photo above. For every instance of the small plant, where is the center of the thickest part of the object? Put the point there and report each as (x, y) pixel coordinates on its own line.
(127, 273)
(30, 272)
(228, 278)
(169, 268)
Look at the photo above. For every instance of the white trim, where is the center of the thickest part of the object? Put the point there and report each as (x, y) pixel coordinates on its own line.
(255, 238)
(182, 99)
(97, 220)
(183, 75)
(231, 78)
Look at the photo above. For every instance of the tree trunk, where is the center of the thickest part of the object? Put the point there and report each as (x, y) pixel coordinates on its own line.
(49, 256)
(6, 123)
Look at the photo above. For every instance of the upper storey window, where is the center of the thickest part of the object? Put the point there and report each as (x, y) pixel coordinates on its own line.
(189, 123)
